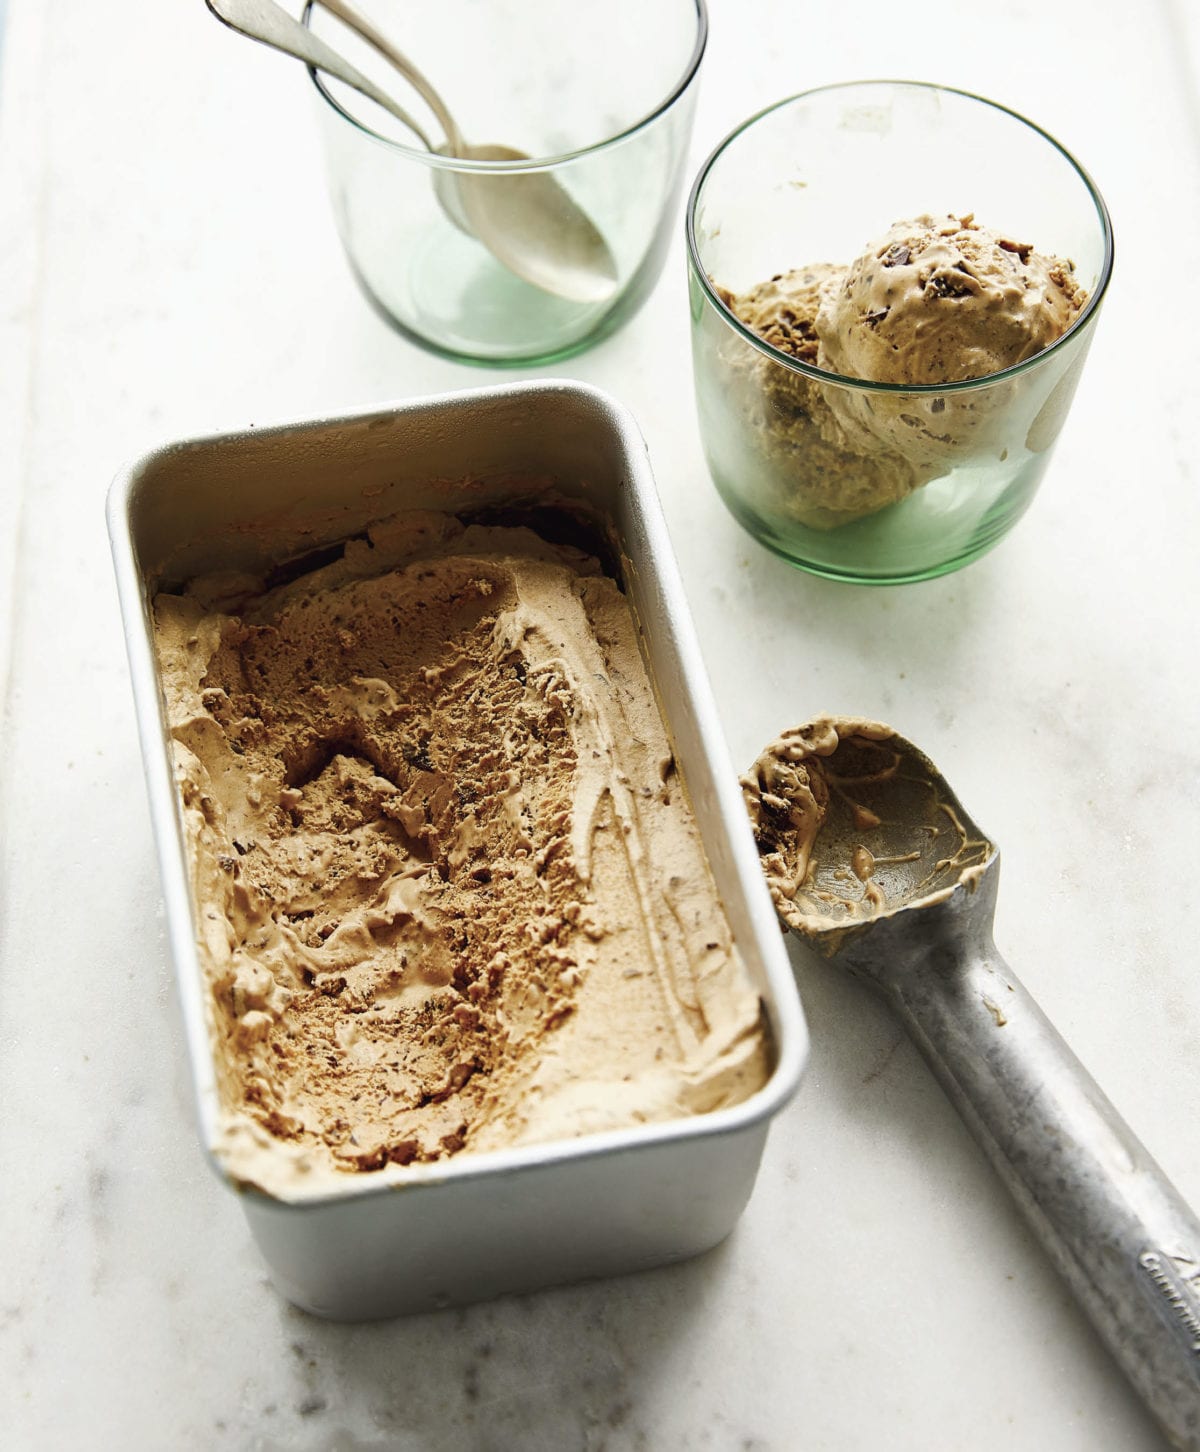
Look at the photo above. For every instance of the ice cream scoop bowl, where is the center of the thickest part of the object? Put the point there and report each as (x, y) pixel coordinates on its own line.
(872, 860)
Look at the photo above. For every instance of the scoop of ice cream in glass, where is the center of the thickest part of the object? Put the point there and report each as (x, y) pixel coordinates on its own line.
(883, 410)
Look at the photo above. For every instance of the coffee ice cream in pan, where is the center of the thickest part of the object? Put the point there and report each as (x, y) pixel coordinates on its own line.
(450, 893)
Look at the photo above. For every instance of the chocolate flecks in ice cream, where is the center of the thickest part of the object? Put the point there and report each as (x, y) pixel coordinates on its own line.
(783, 310)
(943, 300)
(934, 301)
(450, 893)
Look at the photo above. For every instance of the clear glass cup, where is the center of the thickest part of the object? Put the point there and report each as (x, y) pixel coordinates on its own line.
(601, 96)
(877, 482)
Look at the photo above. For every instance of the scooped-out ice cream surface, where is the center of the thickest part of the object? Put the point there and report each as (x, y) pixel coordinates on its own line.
(450, 894)
(942, 300)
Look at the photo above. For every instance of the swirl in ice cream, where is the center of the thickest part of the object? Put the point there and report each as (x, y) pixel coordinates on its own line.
(450, 893)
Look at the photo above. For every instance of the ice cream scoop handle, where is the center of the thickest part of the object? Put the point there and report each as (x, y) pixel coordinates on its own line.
(1113, 1224)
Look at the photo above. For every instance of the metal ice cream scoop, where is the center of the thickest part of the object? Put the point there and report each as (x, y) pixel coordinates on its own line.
(872, 860)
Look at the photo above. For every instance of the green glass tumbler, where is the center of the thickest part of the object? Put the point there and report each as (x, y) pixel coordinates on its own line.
(598, 100)
(908, 482)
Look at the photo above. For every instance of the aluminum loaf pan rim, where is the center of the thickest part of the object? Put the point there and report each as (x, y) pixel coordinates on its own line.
(790, 1032)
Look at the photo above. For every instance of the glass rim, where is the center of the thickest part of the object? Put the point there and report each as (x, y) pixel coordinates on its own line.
(866, 385)
(438, 162)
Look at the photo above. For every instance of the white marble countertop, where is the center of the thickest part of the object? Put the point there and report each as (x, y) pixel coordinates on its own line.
(167, 266)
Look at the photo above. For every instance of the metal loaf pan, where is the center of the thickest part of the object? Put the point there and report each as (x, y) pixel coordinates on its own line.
(477, 1225)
